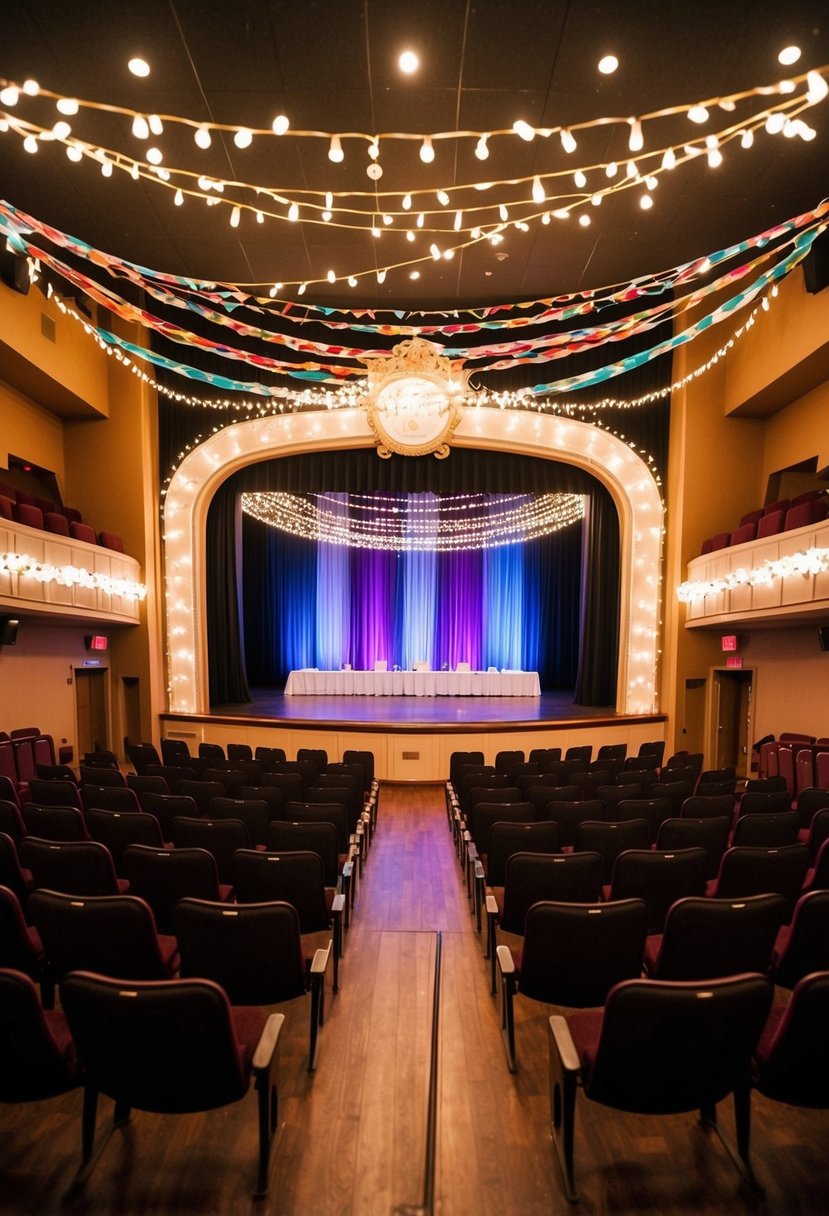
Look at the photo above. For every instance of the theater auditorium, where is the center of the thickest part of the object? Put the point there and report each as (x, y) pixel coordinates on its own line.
(414, 607)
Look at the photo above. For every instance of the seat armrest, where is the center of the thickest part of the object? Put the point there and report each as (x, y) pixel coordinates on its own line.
(268, 1042)
(491, 906)
(506, 963)
(565, 1047)
(319, 963)
(338, 904)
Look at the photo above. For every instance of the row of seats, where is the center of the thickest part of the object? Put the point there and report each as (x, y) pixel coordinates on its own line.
(35, 512)
(800, 762)
(633, 938)
(782, 516)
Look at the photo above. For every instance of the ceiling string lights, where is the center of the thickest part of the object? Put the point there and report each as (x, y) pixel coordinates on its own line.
(503, 206)
(420, 522)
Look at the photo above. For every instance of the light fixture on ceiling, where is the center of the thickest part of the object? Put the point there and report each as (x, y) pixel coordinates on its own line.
(608, 64)
(139, 66)
(408, 62)
(789, 55)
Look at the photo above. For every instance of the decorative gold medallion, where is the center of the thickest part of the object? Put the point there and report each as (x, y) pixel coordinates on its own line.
(413, 400)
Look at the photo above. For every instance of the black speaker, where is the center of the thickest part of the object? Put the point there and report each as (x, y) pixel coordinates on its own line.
(8, 630)
(14, 271)
(816, 265)
(823, 636)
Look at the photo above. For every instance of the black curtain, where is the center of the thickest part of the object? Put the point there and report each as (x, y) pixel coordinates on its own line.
(228, 678)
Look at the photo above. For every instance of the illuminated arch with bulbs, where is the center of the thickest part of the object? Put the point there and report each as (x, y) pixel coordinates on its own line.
(613, 462)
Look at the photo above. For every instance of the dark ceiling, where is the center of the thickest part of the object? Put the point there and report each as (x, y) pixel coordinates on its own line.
(331, 65)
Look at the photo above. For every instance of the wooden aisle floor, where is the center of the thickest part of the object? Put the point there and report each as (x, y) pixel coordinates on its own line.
(352, 1135)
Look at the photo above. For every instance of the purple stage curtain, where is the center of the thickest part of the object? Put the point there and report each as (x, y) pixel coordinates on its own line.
(373, 597)
(459, 623)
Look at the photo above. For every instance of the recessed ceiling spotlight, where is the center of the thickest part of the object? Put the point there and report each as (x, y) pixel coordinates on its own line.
(789, 55)
(608, 65)
(139, 67)
(408, 62)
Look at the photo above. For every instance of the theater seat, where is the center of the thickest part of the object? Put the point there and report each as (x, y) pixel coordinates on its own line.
(79, 531)
(111, 540)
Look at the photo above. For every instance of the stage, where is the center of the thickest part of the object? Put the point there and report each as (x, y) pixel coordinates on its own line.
(412, 737)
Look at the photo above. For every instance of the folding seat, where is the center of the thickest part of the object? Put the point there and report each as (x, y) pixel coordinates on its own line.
(202, 793)
(651, 752)
(271, 794)
(317, 756)
(101, 758)
(686, 833)
(572, 954)
(141, 755)
(766, 830)
(654, 809)
(729, 773)
(141, 784)
(366, 758)
(611, 839)
(706, 546)
(110, 798)
(112, 935)
(230, 779)
(24, 758)
(744, 534)
(72, 514)
(43, 752)
(589, 782)
(56, 522)
(55, 772)
(9, 787)
(11, 821)
(291, 785)
(541, 795)
(804, 769)
(164, 876)
(212, 752)
(506, 760)
(754, 871)
(21, 948)
(170, 1046)
(771, 524)
(752, 517)
(320, 837)
(83, 532)
(804, 514)
(98, 775)
(54, 822)
(323, 812)
(220, 837)
(12, 874)
(708, 939)
(791, 1063)
(505, 838)
(37, 1055)
(76, 867)
(765, 785)
(612, 795)
(298, 879)
(172, 774)
(27, 514)
(817, 878)
(342, 795)
(111, 540)
(483, 815)
(817, 833)
(176, 752)
(612, 751)
(768, 765)
(803, 946)
(533, 877)
(809, 802)
(676, 791)
(255, 814)
(721, 541)
(568, 815)
(239, 751)
(273, 755)
(255, 953)
(764, 804)
(642, 778)
(659, 877)
(659, 1047)
(54, 793)
(545, 756)
(785, 761)
(822, 769)
(581, 752)
(708, 806)
(117, 830)
(166, 807)
(6, 507)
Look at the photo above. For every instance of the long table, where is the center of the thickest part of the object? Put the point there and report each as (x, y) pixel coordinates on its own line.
(311, 682)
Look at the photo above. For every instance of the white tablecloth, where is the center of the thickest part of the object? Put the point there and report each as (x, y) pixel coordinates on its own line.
(413, 683)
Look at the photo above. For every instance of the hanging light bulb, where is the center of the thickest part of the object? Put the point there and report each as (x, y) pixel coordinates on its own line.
(568, 140)
(636, 140)
(698, 114)
(747, 139)
(280, 124)
(458, 221)
(326, 217)
(9, 96)
(243, 138)
(301, 289)
(646, 202)
(388, 219)
(352, 282)
(419, 220)
(106, 167)
(61, 130)
(584, 220)
(235, 216)
(669, 159)
(503, 212)
(277, 287)
(631, 170)
(435, 252)
(74, 152)
(140, 127)
(651, 182)
(481, 148)
(293, 212)
(612, 169)
(427, 152)
(538, 191)
(332, 278)
(545, 219)
(406, 202)
(523, 130)
(443, 198)
(374, 171)
(374, 149)
(31, 88)
(30, 144)
(381, 277)
(775, 123)
(155, 124)
(178, 198)
(410, 236)
(202, 137)
(816, 88)
(154, 156)
(335, 150)
(65, 105)
(579, 179)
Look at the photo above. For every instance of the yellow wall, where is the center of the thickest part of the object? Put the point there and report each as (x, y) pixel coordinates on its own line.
(31, 432)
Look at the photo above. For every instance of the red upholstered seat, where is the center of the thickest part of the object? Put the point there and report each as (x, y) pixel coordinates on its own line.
(111, 540)
(80, 531)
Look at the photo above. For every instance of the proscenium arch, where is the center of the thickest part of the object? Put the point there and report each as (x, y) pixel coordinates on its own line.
(612, 461)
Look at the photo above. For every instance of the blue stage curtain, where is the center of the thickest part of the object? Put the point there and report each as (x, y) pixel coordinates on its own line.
(280, 604)
(417, 606)
(333, 595)
(459, 609)
(503, 607)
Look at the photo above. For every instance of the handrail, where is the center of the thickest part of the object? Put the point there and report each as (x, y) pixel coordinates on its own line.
(426, 1206)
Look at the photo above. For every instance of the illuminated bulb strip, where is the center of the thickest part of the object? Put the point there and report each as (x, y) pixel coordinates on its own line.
(405, 532)
(70, 576)
(612, 460)
(806, 563)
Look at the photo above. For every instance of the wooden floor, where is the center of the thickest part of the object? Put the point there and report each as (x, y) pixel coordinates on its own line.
(352, 1136)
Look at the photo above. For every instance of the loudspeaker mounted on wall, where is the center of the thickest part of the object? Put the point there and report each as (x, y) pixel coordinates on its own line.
(816, 265)
(8, 630)
(823, 636)
(14, 271)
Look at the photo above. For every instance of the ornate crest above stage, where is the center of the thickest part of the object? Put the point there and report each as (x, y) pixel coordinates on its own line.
(414, 399)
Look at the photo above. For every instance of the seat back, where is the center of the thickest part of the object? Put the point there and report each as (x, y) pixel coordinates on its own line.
(766, 830)
(291, 785)
(610, 839)
(117, 830)
(753, 871)
(254, 951)
(530, 877)
(794, 1059)
(110, 934)
(254, 813)
(318, 837)
(164, 876)
(37, 1055)
(667, 1047)
(764, 803)
(809, 802)
(220, 837)
(568, 815)
(708, 834)
(99, 774)
(655, 810)
(484, 814)
(545, 755)
(202, 793)
(11, 821)
(708, 806)
(322, 812)
(141, 755)
(505, 839)
(183, 1051)
(709, 938)
(297, 878)
(18, 950)
(77, 867)
(110, 798)
(505, 760)
(366, 759)
(806, 946)
(175, 751)
(573, 954)
(167, 807)
(54, 793)
(54, 822)
(660, 877)
(818, 833)
(11, 872)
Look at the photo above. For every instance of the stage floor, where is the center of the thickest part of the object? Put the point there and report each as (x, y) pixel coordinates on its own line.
(413, 712)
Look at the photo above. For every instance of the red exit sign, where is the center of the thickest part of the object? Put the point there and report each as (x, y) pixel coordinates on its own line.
(734, 661)
(729, 641)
